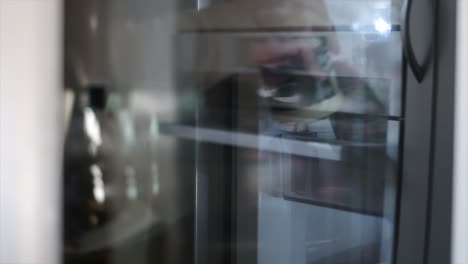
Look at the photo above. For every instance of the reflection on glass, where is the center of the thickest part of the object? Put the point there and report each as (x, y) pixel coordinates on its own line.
(315, 88)
(247, 131)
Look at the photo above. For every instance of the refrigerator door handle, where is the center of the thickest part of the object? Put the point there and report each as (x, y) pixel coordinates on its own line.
(419, 66)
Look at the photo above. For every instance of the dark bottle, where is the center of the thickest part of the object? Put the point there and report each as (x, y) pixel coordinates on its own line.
(111, 181)
(84, 194)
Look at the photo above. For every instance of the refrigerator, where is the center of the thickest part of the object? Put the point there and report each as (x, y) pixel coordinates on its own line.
(258, 131)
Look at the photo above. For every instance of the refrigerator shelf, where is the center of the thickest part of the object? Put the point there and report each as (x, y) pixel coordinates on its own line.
(247, 140)
(288, 30)
(290, 144)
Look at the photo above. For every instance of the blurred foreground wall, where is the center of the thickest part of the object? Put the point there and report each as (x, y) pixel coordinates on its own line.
(30, 130)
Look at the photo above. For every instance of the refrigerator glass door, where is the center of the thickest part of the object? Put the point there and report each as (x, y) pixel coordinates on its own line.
(232, 131)
(297, 129)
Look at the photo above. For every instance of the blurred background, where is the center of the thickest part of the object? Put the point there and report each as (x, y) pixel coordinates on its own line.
(231, 131)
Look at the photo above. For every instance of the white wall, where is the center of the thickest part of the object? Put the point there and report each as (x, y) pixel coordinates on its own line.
(460, 187)
(30, 131)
